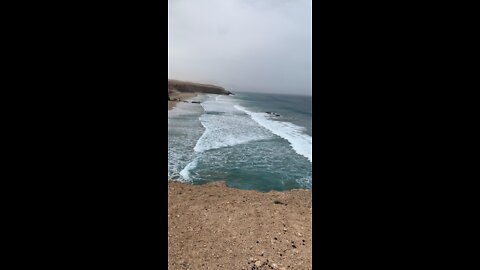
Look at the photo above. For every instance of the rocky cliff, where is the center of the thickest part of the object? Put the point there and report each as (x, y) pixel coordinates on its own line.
(190, 87)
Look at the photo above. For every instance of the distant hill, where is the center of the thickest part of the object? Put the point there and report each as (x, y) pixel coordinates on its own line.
(190, 87)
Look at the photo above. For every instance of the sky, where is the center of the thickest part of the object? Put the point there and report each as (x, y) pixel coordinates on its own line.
(242, 45)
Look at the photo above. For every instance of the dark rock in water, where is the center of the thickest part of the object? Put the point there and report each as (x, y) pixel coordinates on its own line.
(274, 114)
(198, 102)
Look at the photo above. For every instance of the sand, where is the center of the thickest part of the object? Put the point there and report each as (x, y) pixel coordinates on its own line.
(215, 227)
(176, 97)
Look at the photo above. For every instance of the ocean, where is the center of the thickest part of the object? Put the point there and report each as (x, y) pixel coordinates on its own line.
(234, 139)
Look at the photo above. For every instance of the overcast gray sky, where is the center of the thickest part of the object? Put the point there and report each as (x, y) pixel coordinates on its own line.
(243, 45)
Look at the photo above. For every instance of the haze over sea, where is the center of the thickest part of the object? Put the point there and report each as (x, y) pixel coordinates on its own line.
(233, 138)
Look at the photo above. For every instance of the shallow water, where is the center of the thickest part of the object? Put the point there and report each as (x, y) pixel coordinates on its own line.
(232, 138)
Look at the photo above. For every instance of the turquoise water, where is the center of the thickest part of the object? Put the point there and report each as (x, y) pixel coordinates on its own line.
(232, 138)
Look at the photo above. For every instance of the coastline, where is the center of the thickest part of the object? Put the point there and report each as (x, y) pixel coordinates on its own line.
(176, 97)
(213, 226)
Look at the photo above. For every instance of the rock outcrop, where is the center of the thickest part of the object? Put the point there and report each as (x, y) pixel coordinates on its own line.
(190, 87)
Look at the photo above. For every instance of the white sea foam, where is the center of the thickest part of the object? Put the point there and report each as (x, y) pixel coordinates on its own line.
(182, 109)
(299, 141)
(184, 130)
(185, 173)
(224, 126)
(305, 182)
(186, 108)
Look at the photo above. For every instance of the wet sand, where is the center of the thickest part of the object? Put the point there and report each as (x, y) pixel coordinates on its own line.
(176, 97)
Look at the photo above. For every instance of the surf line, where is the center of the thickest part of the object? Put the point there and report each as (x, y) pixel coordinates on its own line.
(185, 173)
(300, 142)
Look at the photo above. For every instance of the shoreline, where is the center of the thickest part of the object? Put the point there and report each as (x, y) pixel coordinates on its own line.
(213, 226)
(176, 97)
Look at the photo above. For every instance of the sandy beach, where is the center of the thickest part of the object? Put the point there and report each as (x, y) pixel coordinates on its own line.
(176, 97)
(213, 226)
